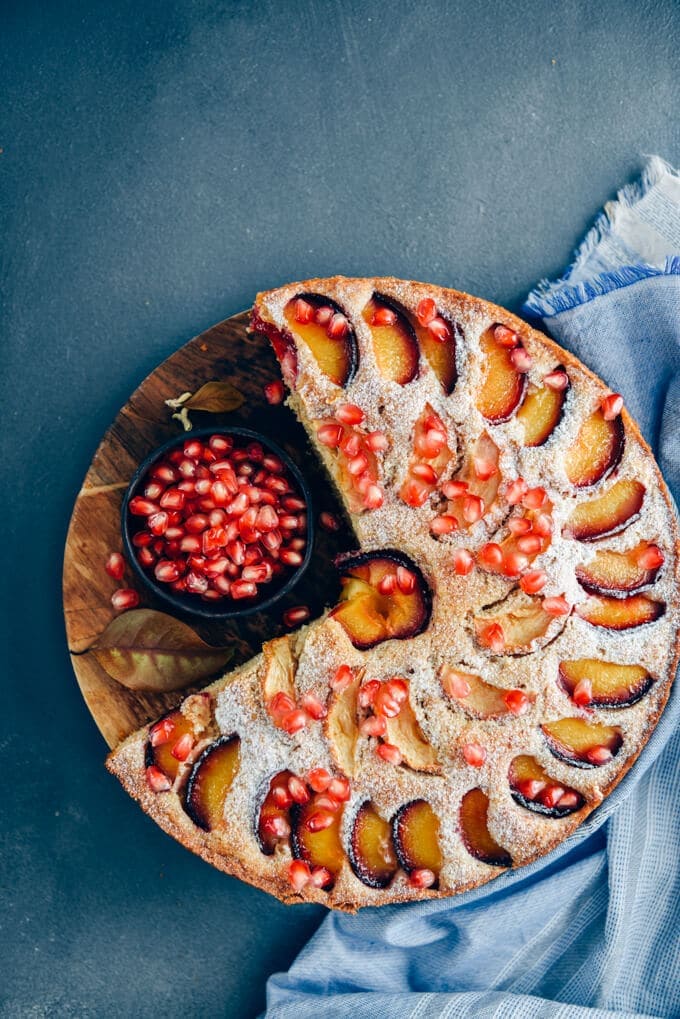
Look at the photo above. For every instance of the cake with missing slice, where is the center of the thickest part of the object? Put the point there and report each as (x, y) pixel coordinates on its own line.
(507, 632)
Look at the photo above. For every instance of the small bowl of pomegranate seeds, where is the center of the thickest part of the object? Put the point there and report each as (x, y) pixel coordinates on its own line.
(218, 523)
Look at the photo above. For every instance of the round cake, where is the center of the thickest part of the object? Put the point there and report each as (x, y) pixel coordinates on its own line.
(507, 632)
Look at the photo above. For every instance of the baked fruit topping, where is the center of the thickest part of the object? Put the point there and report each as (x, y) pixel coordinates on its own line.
(608, 514)
(472, 493)
(514, 625)
(596, 451)
(315, 838)
(210, 781)
(384, 597)
(341, 726)
(437, 337)
(170, 742)
(394, 341)
(543, 406)
(402, 729)
(356, 452)
(429, 459)
(620, 613)
(531, 787)
(621, 573)
(322, 324)
(371, 851)
(273, 821)
(593, 683)
(583, 744)
(506, 363)
(474, 809)
(480, 699)
(415, 830)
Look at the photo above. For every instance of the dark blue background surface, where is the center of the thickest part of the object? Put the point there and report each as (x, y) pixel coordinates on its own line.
(162, 161)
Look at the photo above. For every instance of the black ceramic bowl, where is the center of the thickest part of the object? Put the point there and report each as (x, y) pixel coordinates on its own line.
(226, 608)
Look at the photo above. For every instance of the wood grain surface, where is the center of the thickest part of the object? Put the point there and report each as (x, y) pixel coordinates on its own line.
(227, 350)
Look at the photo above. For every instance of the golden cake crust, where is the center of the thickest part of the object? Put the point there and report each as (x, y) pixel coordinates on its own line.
(450, 638)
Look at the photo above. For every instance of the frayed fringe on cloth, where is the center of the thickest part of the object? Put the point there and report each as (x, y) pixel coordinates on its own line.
(551, 298)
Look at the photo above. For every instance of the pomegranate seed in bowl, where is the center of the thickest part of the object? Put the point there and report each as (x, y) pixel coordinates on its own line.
(228, 531)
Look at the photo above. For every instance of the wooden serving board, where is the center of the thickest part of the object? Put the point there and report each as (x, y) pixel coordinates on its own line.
(226, 351)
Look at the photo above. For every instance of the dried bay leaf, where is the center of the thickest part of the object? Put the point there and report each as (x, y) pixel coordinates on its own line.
(148, 650)
(216, 398)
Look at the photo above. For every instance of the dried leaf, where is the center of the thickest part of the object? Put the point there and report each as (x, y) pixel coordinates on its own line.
(216, 398)
(148, 650)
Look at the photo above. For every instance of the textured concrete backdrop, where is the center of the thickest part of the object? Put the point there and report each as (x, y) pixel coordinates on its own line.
(162, 161)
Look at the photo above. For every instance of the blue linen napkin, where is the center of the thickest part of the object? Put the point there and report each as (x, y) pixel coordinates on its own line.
(591, 930)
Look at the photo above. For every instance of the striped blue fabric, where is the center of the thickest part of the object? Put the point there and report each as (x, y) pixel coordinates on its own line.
(592, 930)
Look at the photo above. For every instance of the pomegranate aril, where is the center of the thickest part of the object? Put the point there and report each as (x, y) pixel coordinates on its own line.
(368, 692)
(274, 392)
(533, 581)
(329, 435)
(297, 615)
(271, 541)
(320, 877)
(115, 565)
(342, 678)
(293, 504)
(222, 584)
(339, 789)
(424, 472)
(454, 684)
(349, 414)
(651, 558)
(406, 581)
(314, 706)
(166, 571)
(426, 310)
(534, 498)
(326, 802)
(196, 583)
(299, 874)
(557, 380)
(142, 507)
(220, 443)
(505, 336)
(514, 563)
(490, 555)
(281, 797)
(473, 509)
(463, 562)
(521, 359)
(373, 499)
(216, 567)
(257, 573)
(243, 589)
(165, 473)
(599, 755)
(183, 747)
(377, 441)
(582, 693)
(125, 598)
(474, 754)
(146, 557)
(337, 326)
(516, 701)
(421, 877)
(318, 779)
(612, 406)
(161, 732)
(173, 499)
(551, 795)
(384, 317)
(515, 491)
(154, 490)
(388, 752)
(290, 558)
(196, 523)
(454, 489)
(298, 790)
(276, 484)
(519, 525)
(373, 726)
(142, 539)
(439, 329)
(556, 606)
(277, 827)
(568, 800)
(430, 444)
(530, 788)
(319, 820)
(530, 544)
(329, 521)
(157, 780)
(303, 311)
(492, 636)
(323, 315)
(385, 704)
(444, 524)
(543, 525)
(280, 704)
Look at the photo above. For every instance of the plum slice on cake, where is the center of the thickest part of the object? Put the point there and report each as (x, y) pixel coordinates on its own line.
(506, 634)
